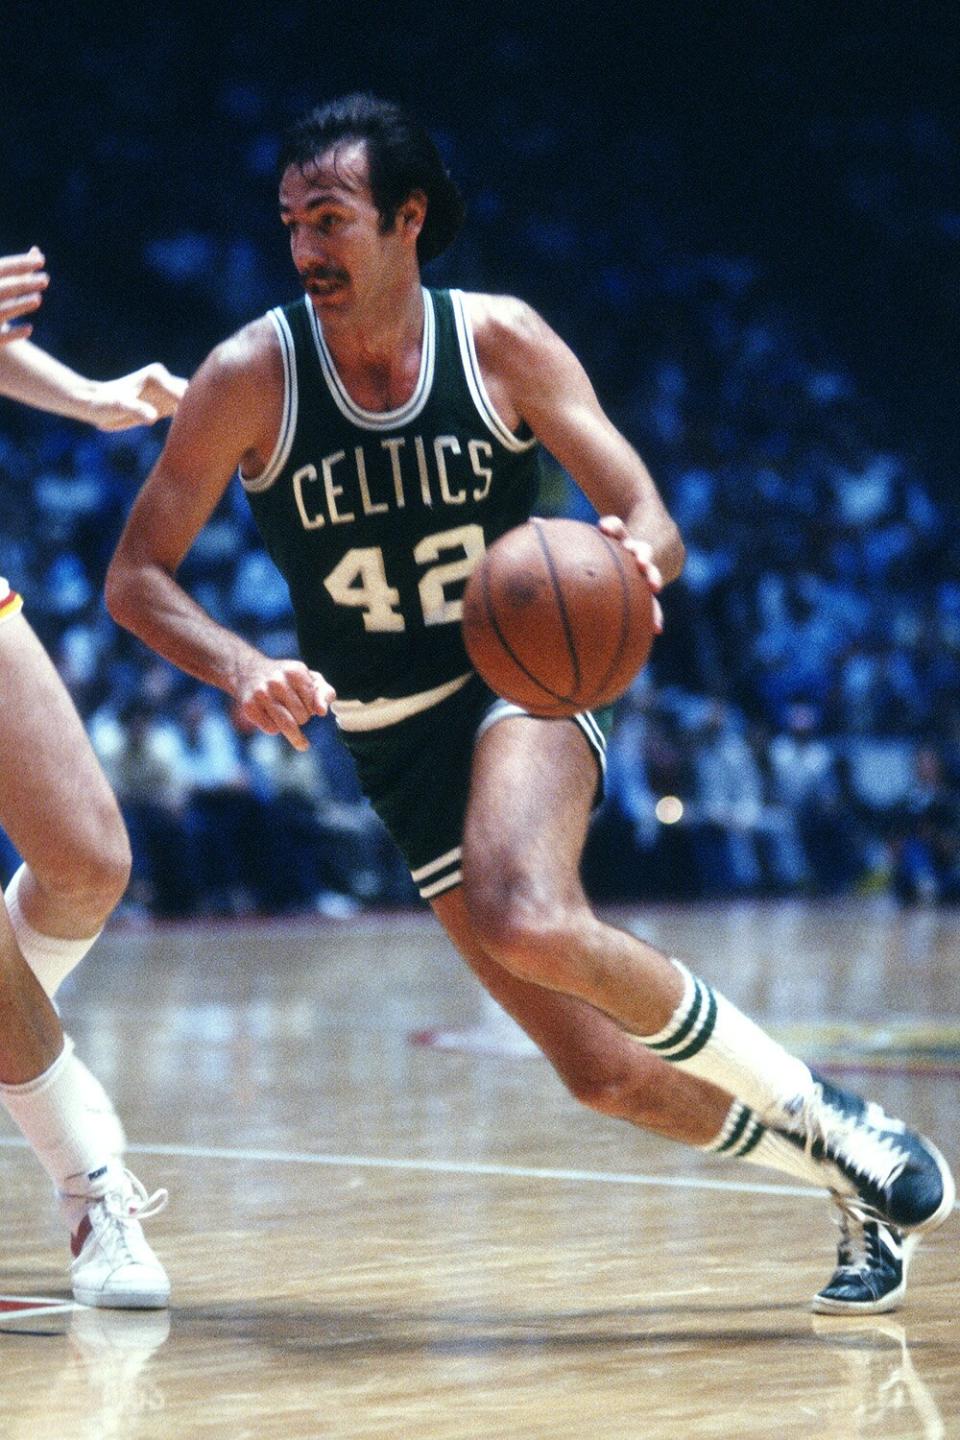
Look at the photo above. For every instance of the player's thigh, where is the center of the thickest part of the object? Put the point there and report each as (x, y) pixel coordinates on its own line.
(55, 802)
(532, 788)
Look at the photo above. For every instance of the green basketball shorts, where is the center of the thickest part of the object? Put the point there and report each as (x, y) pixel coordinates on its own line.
(416, 775)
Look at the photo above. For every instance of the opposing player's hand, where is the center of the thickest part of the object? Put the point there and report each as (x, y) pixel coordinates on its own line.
(280, 697)
(642, 552)
(22, 283)
(145, 396)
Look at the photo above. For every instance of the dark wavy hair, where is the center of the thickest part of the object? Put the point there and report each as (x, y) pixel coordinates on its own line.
(401, 158)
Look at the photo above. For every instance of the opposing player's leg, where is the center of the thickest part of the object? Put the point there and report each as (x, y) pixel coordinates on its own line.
(56, 806)
(532, 788)
(45, 1093)
(60, 813)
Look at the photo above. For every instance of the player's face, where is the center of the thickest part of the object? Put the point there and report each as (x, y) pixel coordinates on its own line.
(341, 252)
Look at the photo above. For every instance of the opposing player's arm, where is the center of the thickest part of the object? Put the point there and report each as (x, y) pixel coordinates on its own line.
(34, 377)
(23, 281)
(229, 416)
(30, 375)
(534, 376)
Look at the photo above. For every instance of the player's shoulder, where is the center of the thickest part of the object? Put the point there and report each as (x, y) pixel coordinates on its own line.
(246, 360)
(506, 330)
(252, 344)
(500, 315)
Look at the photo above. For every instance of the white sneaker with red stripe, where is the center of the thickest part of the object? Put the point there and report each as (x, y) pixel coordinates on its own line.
(113, 1265)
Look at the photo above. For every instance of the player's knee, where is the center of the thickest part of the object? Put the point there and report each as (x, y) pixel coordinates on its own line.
(527, 933)
(90, 868)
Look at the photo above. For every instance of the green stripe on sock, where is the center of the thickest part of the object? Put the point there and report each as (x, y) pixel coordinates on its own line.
(736, 1133)
(681, 1034)
(697, 1044)
(752, 1141)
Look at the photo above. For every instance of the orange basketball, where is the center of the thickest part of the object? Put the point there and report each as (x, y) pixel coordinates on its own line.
(557, 617)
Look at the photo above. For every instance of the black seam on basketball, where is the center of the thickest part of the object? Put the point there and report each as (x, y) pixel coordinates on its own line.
(564, 617)
(613, 547)
(488, 604)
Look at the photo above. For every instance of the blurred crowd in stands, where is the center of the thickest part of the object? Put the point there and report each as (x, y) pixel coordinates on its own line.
(798, 728)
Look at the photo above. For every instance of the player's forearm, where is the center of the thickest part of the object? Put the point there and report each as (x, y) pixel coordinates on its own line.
(627, 490)
(617, 482)
(30, 375)
(649, 520)
(151, 604)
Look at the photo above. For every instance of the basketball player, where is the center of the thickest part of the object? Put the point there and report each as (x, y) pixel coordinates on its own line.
(59, 812)
(385, 434)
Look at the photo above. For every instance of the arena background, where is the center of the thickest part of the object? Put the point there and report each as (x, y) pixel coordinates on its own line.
(745, 220)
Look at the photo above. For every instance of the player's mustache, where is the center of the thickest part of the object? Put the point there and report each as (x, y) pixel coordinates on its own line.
(316, 273)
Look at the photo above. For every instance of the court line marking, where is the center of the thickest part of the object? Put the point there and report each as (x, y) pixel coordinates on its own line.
(456, 1167)
(450, 1167)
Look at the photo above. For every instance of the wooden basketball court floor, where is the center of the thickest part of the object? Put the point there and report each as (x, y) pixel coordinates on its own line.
(367, 1237)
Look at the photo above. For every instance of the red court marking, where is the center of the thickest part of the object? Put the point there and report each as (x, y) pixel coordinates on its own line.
(18, 1307)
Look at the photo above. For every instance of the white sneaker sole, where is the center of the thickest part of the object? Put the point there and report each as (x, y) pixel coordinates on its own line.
(156, 1299)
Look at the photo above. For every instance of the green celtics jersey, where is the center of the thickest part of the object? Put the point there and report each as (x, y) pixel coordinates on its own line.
(376, 519)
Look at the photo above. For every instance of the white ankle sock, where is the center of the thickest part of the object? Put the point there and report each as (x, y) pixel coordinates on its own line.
(711, 1038)
(744, 1137)
(50, 958)
(51, 1113)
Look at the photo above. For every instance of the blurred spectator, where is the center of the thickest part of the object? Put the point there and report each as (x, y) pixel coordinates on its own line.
(317, 851)
(926, 866)
(744, 842)
(808, 781)
(637, 849)
(142, 757)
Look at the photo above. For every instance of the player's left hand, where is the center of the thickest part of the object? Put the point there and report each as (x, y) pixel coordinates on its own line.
(642, 551)
(142, 398)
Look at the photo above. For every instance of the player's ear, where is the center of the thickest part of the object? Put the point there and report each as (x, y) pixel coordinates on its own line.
(412, 213)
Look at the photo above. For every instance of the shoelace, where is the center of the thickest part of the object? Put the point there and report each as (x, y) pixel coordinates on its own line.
(819, 1121)
(857, 1248)
(141, 1206)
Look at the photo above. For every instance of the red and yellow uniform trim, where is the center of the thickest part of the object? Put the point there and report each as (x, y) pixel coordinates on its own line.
(10, 602)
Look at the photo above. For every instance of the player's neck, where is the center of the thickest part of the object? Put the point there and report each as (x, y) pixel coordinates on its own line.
(377, 333)
(379, 346)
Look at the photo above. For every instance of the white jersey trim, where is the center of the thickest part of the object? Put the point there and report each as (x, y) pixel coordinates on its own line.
(377, 714)
(379, 419)
(475, 383)
(254, 484)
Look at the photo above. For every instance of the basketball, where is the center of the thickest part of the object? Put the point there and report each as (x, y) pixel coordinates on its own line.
(557, 617)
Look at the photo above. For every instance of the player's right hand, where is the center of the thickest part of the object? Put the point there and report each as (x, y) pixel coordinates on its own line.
(280, 698)
(642, 552)
(22, 283)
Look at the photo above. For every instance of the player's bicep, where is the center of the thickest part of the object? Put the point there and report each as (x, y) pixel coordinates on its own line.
(215, 426)
(552, 391)
(555, 396)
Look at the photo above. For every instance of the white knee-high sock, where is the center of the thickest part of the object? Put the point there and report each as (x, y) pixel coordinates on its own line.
(50, 958)
(712, 1039)
(743, 1136)
(100, 1109)
(51, 1113)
